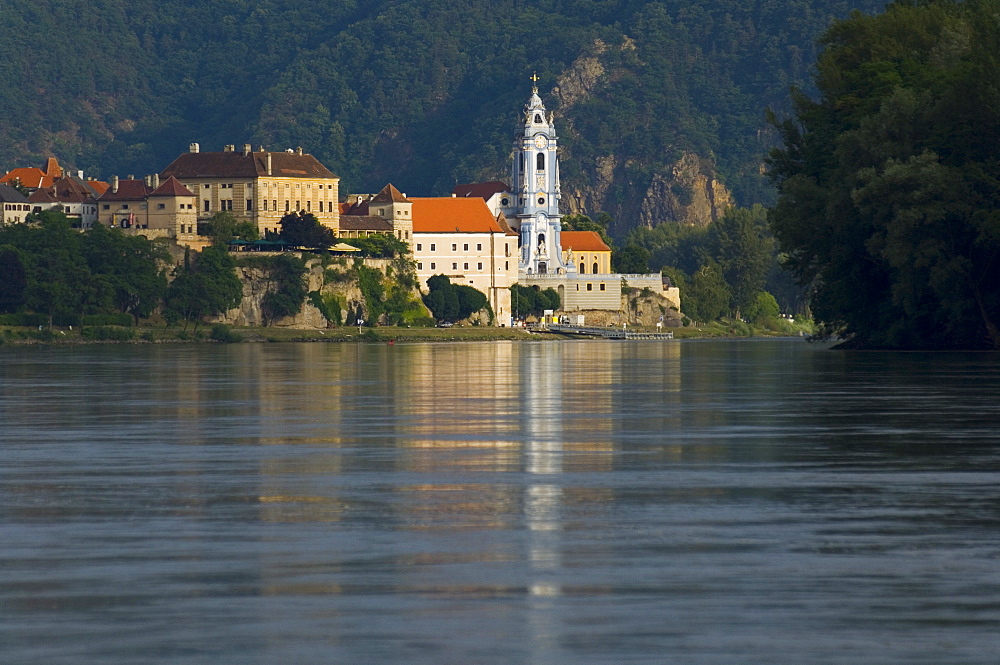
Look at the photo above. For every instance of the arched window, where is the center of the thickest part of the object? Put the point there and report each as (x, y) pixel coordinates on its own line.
(540, 161)
(595, 268)
(583, 269)
(538, 118)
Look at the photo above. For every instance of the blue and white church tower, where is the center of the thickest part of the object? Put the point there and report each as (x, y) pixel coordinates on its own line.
(534, 208)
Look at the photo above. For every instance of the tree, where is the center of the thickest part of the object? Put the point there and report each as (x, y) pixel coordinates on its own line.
(286, 288)
(763, 308)
(223, 227)
(631, 260)
(452, 302)
(380, 246)
(743, 247)
(130, 266)
(302, 229)
(206, 286)
(887, 190)
(707, 297)
(13, 279)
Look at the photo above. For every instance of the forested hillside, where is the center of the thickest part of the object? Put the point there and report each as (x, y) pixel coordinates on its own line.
(652, 99)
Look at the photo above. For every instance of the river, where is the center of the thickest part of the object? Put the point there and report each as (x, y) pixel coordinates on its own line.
(579, 502)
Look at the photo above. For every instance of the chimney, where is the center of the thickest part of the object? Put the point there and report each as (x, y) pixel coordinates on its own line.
(298, 150)
(79, 174)
(229, 148)
(131, 176)
(268, 163)
(246, 149)
(156, 181)
(114, 184)
(194, 147)
(149, 181)
(454, 195)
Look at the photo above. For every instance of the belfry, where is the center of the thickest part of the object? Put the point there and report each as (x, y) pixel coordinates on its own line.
(533, 208)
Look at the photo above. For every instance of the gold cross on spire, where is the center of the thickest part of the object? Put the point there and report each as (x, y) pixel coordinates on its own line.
(534, 77)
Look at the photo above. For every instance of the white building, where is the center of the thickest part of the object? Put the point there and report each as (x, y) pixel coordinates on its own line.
(460, 238)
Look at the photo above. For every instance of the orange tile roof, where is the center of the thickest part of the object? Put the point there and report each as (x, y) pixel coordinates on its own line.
(453, 215)
(583, 241)
(29, 176)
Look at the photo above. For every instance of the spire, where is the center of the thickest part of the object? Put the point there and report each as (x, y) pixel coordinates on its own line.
(534, 110)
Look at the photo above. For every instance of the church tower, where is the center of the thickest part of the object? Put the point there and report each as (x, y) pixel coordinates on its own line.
(535, 191)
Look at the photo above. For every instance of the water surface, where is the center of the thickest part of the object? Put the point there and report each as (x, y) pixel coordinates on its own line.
(557, 502)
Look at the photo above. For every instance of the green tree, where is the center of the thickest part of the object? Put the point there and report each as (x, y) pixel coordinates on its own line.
(887, 188)
(223, 227)
(379, 246)
(13, 279)
(708, 295)
(631, 260)
(764, 308)
(204, 286)
(302, 229)
(744, 249)
(129, 266)
(286, 291)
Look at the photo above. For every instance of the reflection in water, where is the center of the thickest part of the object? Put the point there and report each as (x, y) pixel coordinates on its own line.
(585, 502)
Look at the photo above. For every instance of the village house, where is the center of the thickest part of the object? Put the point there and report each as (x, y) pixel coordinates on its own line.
(167, 209)
(14, 206)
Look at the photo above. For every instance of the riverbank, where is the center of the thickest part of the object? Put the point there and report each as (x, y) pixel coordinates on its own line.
(227, 334)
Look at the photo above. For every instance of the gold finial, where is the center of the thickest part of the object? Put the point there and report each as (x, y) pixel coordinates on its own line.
(534, 77)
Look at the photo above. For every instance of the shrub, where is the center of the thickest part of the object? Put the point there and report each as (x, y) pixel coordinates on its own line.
(223, 333)
(117, 319)
(108, 333)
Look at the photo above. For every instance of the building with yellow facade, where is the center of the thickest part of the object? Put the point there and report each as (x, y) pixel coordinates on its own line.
(258, 186)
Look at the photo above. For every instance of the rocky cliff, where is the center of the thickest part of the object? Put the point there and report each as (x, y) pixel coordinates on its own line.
(683, 189)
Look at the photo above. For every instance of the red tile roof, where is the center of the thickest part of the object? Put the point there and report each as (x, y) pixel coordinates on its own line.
(483, 190)
(191, 165)
(64, 190)
(354, 207)
(128, 190)
(365, 223)
(172, 187)
(453, 215)
(389, 194)
(583, 241)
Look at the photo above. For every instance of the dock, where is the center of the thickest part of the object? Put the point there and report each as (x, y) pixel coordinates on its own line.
(606, 333)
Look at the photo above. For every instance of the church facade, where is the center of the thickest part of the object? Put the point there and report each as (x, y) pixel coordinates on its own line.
(530, 204)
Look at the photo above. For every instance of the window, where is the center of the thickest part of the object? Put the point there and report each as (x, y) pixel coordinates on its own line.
(454, 247)
(433, 246)
(226, 204)
(249, 204)
(207, 205)
(161, 206)
(297, 206)
(603, 287)
(583, 268)
(106, 206)
(274, 205)
(465, 266)
(308, 206)
(479, 266)
(465, 247)
(479, 247)
(538, 118)
(206, 187)
(420, 266)
(541, 200)
(321, 204)
(590, 287)
(433, 266)
(287, 208)
(540, 161)
(125, 206)
(595, 271)
(506, 265)
(419, 247)
(454, 266)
